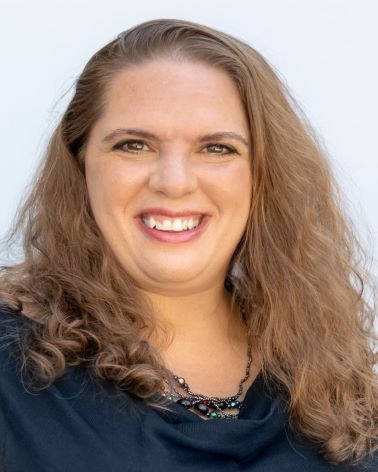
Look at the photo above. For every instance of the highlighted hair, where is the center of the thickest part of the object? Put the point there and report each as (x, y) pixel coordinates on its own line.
(297, 273)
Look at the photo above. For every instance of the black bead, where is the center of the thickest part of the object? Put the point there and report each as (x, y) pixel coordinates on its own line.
(201, 407)
(222, 405)
(184, 402)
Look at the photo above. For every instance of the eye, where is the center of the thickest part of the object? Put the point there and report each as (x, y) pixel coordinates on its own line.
(132, 146)
(220, 149)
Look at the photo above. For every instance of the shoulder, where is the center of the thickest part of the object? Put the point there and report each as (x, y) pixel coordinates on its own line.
(10, 333)
(10, 337)
(10, 319)
(14, 330)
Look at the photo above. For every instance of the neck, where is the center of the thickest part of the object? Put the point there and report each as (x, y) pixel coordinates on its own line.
(195, 320)
(207, 338)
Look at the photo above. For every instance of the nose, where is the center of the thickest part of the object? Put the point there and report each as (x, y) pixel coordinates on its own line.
(173, 174)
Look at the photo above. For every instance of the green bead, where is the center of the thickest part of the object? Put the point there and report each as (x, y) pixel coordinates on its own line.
(232, 404)
(214, 414)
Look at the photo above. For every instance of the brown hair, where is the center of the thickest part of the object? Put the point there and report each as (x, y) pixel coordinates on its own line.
(299, 280)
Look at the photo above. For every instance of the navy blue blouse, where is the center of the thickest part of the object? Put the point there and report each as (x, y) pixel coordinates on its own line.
(80, 424)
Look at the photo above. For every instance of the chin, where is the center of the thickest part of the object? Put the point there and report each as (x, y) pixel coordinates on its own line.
(173, 275)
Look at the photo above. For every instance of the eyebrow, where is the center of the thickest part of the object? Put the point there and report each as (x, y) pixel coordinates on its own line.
(147, 135)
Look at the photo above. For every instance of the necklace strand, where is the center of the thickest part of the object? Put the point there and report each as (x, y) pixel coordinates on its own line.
(211, 407)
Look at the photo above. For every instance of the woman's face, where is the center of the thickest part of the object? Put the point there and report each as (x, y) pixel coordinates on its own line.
(173, 140)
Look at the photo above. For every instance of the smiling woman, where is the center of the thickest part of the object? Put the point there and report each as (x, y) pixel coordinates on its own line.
(177, 169)
(186, 258)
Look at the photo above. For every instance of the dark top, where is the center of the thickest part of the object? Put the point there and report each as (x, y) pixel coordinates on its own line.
(80, 424)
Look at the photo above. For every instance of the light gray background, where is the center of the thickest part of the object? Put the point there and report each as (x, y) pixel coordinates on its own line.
(326, 50)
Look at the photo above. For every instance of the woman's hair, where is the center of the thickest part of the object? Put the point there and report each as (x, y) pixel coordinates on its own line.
(297, 274)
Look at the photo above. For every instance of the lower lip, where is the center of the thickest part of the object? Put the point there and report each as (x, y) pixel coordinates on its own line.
(175, 236)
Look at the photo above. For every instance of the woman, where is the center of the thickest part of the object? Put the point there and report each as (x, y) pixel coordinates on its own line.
(188, 297)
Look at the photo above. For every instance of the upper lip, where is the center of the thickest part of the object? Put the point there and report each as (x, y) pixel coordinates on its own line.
(170, 213)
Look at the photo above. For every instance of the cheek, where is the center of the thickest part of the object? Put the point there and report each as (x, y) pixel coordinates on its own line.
(240, 184)
(110, 189)
(232, 185)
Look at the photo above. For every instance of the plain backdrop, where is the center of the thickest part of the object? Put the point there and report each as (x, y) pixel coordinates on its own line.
(325, 50)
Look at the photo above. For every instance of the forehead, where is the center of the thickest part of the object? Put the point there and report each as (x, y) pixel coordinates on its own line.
(175, 94)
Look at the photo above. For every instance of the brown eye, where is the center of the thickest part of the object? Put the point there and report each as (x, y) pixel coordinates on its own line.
(220, 149)
(130, 146)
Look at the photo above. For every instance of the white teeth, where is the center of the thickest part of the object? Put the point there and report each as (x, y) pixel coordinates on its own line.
(177, 225)
(171, 225)
(167, 226)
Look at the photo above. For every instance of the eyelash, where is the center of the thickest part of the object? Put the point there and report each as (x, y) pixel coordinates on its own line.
(119, 146)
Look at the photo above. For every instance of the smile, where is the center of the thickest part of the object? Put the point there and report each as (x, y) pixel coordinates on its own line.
(172, 224)
(173, 230)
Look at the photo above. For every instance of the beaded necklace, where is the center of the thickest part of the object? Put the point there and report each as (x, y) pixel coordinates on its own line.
(212, 407)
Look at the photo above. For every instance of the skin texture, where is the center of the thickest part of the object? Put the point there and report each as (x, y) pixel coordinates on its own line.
(178, 102)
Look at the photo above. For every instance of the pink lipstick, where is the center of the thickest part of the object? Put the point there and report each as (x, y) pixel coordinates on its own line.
(174, 236)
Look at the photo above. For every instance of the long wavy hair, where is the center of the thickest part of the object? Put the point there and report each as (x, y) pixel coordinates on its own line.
(298, 274)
